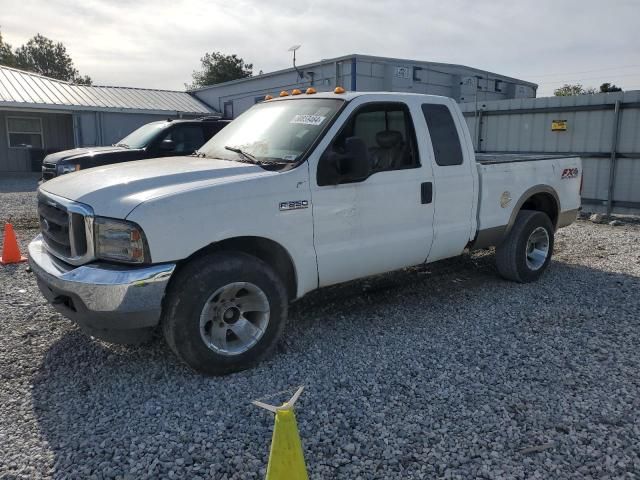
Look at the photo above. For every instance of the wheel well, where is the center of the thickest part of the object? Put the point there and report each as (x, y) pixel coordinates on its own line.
(543, 202)
(270, 252)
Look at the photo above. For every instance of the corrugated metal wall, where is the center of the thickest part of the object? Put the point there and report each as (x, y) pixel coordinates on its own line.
(57, 133)
(525, 126)
(62, 131)
(106, 128)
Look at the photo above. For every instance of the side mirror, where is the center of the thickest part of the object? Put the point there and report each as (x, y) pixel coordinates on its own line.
(351, 166)
(167, 145)
(355, 165)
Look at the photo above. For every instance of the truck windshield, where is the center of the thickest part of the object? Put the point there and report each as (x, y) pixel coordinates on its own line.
(141, 137)
(279, 131)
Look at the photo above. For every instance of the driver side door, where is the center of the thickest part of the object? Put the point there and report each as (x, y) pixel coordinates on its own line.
(379, 223)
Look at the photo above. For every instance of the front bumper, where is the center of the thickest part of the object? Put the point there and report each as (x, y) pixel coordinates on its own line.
(102, 298)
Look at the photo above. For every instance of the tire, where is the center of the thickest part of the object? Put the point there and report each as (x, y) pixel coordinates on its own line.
(515, 258)
(204, 289)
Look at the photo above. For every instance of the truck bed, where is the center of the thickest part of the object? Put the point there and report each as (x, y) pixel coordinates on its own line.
(506, 179)
(493, 158)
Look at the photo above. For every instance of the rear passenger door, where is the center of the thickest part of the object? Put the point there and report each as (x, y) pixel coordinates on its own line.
(380, 223)
(454, 180)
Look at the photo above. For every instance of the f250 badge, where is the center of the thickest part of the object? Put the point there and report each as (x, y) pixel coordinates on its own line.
(569, 173)
(294, 205)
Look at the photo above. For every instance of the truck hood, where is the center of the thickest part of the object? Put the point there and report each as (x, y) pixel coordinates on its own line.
(80, 152)
(115, 190)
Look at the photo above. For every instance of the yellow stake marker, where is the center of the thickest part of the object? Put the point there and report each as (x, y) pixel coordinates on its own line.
(286, 458)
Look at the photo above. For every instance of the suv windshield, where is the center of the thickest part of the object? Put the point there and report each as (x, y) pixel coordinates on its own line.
(278, 131)
(141, 137)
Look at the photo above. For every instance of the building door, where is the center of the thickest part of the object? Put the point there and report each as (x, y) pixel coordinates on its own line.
(228, 110)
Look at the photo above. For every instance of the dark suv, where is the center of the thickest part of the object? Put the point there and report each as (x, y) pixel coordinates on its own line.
(153, 140)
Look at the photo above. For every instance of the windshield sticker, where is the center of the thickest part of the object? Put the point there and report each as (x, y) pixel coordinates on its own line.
(289, 158)
(308, 119)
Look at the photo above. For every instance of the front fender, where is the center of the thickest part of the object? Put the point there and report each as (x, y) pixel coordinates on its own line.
(176, 226)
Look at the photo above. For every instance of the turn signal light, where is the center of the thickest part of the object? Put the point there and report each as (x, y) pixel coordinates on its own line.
(268, 97)
(284, 93)
(295, 91)
(311, 91)
(339, 90)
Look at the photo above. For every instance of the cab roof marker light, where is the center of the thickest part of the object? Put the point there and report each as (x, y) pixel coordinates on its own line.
(295, 91)
(311, 91)
(267, 97)
(284, 93)
(339, 90)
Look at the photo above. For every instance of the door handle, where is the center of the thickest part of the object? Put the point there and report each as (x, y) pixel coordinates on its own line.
(426, 192)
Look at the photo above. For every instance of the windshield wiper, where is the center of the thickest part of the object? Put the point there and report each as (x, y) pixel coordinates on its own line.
(239, 151)
(249, 158)
(122, 145)
(199, 154)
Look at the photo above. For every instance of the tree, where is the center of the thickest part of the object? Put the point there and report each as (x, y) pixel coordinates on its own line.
(218, 67)
(41, 55)
(6, 54)
(568, 90)
(609, 87)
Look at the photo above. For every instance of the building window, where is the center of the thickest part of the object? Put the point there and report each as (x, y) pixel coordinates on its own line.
(24, 132)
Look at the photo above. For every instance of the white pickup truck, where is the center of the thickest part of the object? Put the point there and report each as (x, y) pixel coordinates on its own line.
(298, 193)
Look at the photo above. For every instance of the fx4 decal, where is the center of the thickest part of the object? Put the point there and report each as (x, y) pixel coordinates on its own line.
(569, 173)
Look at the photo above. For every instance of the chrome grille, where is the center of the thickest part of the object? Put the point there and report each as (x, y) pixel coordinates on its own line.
(48, 171)
(54, 225)
(67, 228)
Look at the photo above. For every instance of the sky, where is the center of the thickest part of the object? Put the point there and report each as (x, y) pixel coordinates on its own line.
(158, 43)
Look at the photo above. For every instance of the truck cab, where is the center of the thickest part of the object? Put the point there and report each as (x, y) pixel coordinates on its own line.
(297, 193)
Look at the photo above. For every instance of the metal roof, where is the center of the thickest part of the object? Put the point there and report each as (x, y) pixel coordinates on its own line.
(29, 90)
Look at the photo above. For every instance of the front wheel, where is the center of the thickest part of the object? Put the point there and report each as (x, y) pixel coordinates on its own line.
(224, 312)
(526, 251)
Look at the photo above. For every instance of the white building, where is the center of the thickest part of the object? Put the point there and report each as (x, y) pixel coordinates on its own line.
(367, 73)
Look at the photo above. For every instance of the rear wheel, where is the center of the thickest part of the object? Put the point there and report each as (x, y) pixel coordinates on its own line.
(224, 312)
(526, 251)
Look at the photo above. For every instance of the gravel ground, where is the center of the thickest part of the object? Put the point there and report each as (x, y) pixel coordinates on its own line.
(18, 200)
(445, 371)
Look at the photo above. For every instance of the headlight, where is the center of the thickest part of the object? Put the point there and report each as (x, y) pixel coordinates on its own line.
(120, 241)
(62, 169)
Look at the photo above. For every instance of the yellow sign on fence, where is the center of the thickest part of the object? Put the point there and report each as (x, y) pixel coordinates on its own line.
(558, 125)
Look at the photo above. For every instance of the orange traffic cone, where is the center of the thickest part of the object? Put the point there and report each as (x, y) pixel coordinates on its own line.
(10, 250)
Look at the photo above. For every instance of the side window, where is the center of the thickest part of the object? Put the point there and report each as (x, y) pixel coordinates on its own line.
(183, 139)
(444, 135)
(386, 129)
